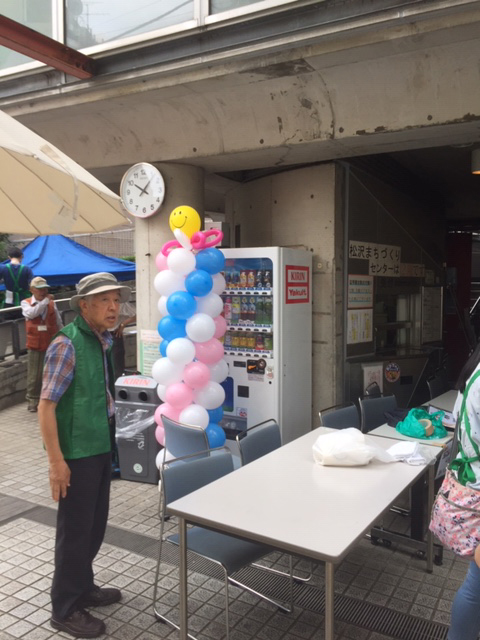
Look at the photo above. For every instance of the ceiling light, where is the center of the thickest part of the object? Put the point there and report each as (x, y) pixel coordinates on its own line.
(476, 161)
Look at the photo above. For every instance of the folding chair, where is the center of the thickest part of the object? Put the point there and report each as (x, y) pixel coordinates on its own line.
(340, 416)
(228, 552)
(184, 439)
(372, 411)
(255, 442)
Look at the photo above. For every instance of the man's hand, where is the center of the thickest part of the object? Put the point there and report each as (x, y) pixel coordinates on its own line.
(59, 474)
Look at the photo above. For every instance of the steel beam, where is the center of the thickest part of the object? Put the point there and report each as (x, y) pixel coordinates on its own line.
(16, 36)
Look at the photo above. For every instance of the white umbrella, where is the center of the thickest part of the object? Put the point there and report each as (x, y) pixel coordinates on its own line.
(43, 191)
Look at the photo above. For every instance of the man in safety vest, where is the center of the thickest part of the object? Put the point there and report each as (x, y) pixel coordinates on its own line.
(16, 277)
(42, 321)
(77, 421)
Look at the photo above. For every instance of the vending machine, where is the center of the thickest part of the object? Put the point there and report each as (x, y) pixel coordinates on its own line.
(268, 343)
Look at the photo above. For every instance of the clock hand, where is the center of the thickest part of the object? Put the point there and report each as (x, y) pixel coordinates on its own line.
(144, 190)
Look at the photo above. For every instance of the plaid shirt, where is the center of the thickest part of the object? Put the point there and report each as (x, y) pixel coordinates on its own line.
(59, 367)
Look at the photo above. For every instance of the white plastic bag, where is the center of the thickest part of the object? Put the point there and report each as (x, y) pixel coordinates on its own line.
(346, 448)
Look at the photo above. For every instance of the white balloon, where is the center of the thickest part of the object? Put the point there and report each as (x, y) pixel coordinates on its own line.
(200, 327)
(211, 304)
(159, 458)
(161, 389)
(181, 261)
(162, 305)
(169, 456)
(218, 371)
(182, 238)
(166, 282)
(219, 284)
(166, 372)
(211, 396)
(196, 415)
(181, 351)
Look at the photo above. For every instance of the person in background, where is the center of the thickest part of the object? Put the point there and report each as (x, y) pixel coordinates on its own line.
(465, 618)
(77, 421)
(126, 316)
(16, 278)
(42, 321)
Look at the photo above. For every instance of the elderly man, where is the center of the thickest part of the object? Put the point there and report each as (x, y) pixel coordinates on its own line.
(42, 321)
(76, 415)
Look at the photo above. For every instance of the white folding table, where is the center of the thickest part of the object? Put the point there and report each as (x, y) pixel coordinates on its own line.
(287, 501)
(445, 401)
(441, 448)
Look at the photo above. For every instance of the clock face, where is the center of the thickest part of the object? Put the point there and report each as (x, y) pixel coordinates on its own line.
(142, 190)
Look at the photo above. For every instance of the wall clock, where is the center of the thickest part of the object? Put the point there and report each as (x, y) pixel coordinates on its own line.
(142, 190)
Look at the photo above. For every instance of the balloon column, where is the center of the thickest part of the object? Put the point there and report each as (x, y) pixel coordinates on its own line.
(192, 367)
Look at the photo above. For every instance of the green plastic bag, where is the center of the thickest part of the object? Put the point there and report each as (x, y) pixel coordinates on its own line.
(411, 426)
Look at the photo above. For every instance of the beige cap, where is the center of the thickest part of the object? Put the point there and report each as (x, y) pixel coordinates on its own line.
(98, 283)
(39, 283)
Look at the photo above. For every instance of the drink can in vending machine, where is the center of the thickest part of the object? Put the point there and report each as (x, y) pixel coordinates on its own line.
(259, 279)
(235, 318)
(267, 310)
(259, 342)
(243, 280)
(227, 343)
(235, 340)
(259, 308)
(242, 341)
(228, 278)
(250, 279)
(244, 311)
(267, 279)
(227, 310)
(252, 310)
(268, 342)
(252, 341)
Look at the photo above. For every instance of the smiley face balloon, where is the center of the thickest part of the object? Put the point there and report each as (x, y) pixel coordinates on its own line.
(185, 219)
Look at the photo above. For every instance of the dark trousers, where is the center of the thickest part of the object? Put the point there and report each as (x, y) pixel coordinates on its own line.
(81, 524)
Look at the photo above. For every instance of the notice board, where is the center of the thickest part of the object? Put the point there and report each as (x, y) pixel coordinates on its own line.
(432, 314)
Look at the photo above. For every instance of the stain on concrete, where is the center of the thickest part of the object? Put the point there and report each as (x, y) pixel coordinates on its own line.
(282, 69)
(280, 124)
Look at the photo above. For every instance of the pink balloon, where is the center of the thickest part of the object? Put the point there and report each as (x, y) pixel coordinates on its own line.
(161, 261)
(220, 326)
(160, 435)
(196, 375)
(179, 395)
(167, 410)
(209, 352)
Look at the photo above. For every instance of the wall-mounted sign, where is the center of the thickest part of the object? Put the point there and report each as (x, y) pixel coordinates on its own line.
(360, 292)
(297, 284)
(383, 259)
(412, 270)
(359, 326)
(392, 372)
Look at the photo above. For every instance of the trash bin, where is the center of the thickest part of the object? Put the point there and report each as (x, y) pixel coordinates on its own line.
(135, 403)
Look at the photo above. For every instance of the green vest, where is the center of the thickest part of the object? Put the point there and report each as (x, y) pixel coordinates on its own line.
(82, 411)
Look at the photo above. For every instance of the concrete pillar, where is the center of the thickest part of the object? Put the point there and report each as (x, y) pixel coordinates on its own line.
(183, 185)
(300, 209)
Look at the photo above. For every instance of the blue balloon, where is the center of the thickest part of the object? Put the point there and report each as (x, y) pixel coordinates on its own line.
(170, 328)
(181, 305)
(211, 260)
(216, 435)
(215, 415)
(199, 282)
(163, 347)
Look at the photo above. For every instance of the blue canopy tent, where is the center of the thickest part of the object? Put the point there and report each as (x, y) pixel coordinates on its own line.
(63, 262)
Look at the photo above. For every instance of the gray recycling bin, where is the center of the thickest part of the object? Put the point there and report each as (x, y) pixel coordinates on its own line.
(135, 403)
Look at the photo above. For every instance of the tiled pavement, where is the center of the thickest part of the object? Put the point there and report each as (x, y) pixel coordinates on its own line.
(375, 579)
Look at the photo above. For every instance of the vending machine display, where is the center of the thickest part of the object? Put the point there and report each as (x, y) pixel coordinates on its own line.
(267, 307)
